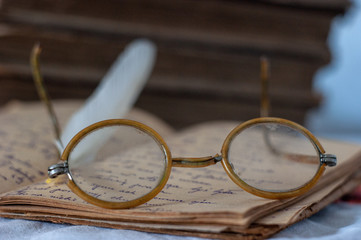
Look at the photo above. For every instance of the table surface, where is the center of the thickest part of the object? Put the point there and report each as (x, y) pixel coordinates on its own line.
(337, 221)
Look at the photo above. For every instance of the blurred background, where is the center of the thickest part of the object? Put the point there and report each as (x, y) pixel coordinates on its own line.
(339, 114)
(208, 55)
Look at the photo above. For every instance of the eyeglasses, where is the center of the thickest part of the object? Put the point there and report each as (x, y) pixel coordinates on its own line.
(131, 162)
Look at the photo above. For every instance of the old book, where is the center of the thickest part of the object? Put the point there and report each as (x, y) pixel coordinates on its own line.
(200, 202)
(205, 49)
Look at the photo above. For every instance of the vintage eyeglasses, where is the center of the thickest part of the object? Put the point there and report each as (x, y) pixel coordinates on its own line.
(108, 175)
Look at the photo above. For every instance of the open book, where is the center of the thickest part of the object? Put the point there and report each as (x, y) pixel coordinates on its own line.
(201, 202)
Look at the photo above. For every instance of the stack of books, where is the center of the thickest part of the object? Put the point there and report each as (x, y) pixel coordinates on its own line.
(208, 52)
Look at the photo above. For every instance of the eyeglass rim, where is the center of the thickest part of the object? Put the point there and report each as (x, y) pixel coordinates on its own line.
(271, 194)
(168, 161)
(119, 122)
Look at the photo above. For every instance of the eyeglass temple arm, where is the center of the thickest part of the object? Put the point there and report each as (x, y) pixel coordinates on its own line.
(196, 162)
(264, 74)
(42, 92)
(328, 159)
(264, 112)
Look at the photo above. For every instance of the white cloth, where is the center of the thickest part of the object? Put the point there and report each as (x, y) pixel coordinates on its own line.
(335, 222)
(338, 221)
(13, 229)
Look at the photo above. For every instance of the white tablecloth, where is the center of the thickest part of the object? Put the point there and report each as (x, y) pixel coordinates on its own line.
(337, 221)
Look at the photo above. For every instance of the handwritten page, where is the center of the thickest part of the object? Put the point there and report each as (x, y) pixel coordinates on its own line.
(27, 142)
(262, 228)
(298, 211)
(193, 195)
(195, 201)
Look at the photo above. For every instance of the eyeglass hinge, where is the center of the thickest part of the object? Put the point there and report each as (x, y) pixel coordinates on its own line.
(329, 159)
(58, 169)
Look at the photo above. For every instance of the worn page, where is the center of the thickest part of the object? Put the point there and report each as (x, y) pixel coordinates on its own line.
(262, 228)
(27, 140)
(195, 195)
(313, 203)
(27, 144)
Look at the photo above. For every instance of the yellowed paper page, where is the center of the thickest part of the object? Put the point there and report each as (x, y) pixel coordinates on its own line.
(27, 144)
(262, 228)
(194, 195)
(27, 141)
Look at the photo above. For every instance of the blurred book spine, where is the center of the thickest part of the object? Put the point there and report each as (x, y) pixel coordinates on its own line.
(208, 52)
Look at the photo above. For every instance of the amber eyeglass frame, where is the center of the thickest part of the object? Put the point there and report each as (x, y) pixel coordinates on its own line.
(191, 162)
(63, 167)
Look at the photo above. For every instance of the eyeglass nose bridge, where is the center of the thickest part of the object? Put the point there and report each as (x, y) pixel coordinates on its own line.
(196, 162)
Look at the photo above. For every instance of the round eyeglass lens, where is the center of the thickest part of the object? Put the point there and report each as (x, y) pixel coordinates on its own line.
(117, 163)
(273, 157)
